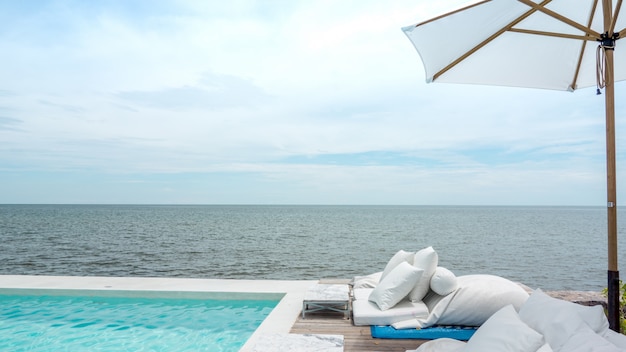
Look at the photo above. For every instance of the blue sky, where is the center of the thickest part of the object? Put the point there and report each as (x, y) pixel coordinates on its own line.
(274, 102)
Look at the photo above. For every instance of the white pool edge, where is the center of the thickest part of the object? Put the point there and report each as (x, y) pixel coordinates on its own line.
(280, 320)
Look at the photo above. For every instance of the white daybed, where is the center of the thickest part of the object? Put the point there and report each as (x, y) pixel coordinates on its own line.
(474, 300)
(414, 292)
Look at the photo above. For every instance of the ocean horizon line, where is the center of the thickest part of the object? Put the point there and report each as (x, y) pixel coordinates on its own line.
(318, 204)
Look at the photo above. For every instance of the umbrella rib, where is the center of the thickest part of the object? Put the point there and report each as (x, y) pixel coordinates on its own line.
(541, 8)
(583, 47)
(614, 21)
(553, 34)
(487, 41)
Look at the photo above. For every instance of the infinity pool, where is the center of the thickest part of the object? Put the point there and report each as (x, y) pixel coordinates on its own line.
(98, 323)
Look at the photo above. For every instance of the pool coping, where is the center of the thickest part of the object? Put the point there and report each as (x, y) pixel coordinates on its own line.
(280, 320)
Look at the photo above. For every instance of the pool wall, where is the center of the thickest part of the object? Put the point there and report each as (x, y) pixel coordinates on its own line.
(271, 296)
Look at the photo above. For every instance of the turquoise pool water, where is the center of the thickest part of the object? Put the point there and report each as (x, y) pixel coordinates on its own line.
(86, 323)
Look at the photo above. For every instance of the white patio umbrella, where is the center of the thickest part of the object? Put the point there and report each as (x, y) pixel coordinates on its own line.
(549, 44)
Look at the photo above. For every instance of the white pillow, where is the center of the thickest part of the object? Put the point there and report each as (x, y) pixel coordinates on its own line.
(443, 281)
(395, 286)
(367, 281)
(504, 332)
(441, 345)
(477, 298)
(557, 319)
(427, 260)
(399, 257)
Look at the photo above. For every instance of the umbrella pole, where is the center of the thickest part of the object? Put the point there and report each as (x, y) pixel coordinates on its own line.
(613, 296)
(608, 45)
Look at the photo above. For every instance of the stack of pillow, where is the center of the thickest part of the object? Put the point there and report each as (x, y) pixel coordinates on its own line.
(414, 292)
(543, 324)
(412, 275)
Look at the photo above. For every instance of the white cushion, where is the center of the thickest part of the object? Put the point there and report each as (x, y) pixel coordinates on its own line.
(545, 348)
(407, 324)
(443, 281)
(362, 293)
(367, 281)
(615, 338)
(557, 319)
(441, 345)
(584, 339)
(427, 260)
(504, 332)
(395, 286)
(365, 312)
(477, 298)
(400, 257)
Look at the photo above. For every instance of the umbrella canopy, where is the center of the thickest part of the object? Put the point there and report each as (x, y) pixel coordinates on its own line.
(519, 43)
(548, 44)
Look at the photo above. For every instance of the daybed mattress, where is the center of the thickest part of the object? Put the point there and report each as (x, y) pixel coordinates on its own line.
(368, 313)
(435, 332)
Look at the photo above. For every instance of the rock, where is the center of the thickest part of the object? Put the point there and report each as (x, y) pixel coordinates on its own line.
(585, 298)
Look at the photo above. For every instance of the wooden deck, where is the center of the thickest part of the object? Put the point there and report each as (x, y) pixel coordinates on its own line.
(359, 338)
(356, 338)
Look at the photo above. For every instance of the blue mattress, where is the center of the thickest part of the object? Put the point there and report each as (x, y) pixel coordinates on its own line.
(462, 333)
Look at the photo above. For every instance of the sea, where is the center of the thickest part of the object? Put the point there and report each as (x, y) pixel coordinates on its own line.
(552, 248)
